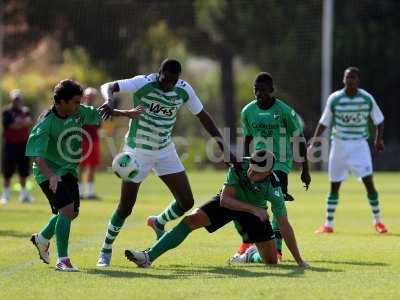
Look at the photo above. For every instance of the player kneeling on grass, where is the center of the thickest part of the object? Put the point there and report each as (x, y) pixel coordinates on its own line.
(55, 143)
(243, 199)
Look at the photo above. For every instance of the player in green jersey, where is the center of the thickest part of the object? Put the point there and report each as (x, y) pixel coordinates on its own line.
(149, 138)
(269, 123)
(243, 199)
(348, 112)
(55, 144)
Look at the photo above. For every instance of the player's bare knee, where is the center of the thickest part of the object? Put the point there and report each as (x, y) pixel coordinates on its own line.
(67, 211)
(196, 219)
(67, 214)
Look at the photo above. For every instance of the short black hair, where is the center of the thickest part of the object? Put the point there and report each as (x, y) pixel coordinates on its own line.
(264, 77)
(67, 89)
(263, 160)
(353, 70)
(171, 65)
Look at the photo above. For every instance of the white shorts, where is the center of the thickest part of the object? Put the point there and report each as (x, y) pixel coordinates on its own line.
(351, 155)
(163, 162)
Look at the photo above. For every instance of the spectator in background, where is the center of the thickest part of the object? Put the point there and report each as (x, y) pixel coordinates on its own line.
(90, 150)
(17, 122)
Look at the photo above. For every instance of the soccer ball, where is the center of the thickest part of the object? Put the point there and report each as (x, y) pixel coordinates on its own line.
(125, 165)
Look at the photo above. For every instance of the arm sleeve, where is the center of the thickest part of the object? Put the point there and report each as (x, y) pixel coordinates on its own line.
(131, 85)
(91, 115)
(245, 124)
(193, 103)
(376, 113)
(326, 118)
(292, 122)
(38, 140)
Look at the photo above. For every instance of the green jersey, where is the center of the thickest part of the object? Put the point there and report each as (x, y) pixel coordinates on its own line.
(272, 129)
(257, 193)
(59, 140)
(153, 129)
(349, 116)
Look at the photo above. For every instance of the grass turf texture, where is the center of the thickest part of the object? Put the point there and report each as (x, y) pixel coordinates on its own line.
(354, 262)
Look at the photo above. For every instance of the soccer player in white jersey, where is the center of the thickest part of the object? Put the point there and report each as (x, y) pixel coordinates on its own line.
(347, 112)
(149, 138)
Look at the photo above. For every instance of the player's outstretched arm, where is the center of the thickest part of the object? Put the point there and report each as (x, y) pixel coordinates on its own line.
(107, 91)
(305, 173)
(290, 240)
(133, 113)
(209, 125)
(247, 143)
(318, 131)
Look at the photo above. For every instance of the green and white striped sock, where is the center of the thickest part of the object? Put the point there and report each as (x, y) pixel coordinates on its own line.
(172, 212)
(113, 229)
(331, 204)
(374, 202)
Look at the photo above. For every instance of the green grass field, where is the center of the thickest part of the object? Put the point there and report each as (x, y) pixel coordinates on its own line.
(352, 263)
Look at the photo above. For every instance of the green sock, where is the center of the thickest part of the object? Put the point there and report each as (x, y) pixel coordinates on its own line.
(170, 240)
(113, 229)
(172, 212)
(63, 226)
(256, 258)
(242, 233)
(48, 231)
(278, 237)
(374, 203)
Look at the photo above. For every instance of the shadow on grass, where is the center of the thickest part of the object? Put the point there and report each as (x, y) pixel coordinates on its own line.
(14, 233)
(392, 234)
(353, 263)
(190, 271)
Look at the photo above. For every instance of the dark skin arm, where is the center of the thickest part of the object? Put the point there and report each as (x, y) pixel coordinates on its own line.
(305, 174)
(318, 131)
(209, 125)
(247, 141)
(107, 90)
(379, 142)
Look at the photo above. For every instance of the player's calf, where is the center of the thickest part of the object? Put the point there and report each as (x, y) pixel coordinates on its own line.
(267, 252)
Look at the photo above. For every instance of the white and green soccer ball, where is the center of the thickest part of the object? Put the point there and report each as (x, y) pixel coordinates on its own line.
(125, 165)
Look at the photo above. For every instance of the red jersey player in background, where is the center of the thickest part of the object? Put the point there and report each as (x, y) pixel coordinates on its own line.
(17, 122)
(90, 150)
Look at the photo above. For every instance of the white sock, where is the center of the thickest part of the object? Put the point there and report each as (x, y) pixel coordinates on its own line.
(62, 258)
(6, 192)
(81, 187)
(24, 191)
(90, 188)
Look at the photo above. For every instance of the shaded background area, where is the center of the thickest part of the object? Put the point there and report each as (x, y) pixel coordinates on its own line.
(221, 44)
